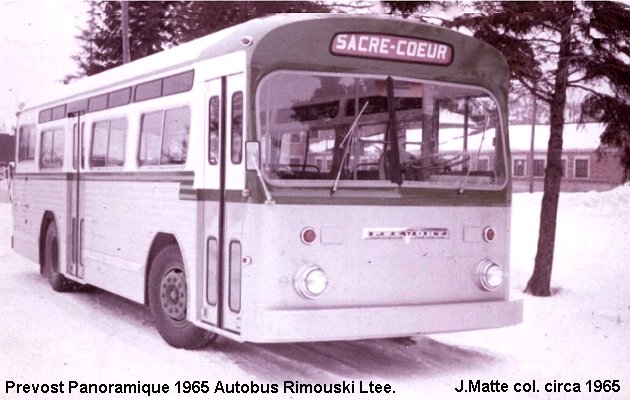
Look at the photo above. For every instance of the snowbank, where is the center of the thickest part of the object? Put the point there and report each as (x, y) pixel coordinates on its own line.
(579, 334)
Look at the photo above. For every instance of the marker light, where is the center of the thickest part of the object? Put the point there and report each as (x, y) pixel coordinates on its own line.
(311, 282)
(308, 235)
(246, 41)
(489, 275)
(489, 234)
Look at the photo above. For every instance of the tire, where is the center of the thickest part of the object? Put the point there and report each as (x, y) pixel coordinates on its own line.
(168, 296)
(57, 281)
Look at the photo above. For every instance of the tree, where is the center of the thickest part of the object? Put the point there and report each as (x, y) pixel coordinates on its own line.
(199, 18)
(101, 44)
(406, 8)
(552, 47)
(156, 25)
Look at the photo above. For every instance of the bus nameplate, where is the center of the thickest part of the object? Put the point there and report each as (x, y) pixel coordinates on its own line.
(391, 47)
(405, 233)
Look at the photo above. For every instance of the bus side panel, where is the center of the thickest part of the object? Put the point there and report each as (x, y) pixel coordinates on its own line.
(33, 196)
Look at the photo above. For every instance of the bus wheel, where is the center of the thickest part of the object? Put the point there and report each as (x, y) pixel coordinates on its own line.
(168, 296)
(57, 281)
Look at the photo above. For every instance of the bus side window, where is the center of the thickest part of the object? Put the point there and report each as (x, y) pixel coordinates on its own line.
(117, 141)
(51, 154)
(237, 127)
(164, 137)
(26, 140)
(108, 143)
(98, 155)
(150, 133)
(175, 136)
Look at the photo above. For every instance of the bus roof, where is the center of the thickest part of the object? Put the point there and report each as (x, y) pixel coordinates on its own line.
(261, 31)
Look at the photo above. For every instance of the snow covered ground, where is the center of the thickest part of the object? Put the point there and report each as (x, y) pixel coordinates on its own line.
(582, 333)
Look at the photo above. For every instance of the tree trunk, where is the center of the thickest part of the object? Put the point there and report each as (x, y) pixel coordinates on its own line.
(125, 31)
(540, 282)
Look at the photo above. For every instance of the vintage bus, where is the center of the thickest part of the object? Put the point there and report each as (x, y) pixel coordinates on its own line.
(293, 178)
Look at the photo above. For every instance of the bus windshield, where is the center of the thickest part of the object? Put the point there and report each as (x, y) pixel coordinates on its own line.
(340, 128)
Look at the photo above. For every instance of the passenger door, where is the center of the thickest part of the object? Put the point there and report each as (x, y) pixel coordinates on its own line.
(223, 177)
(76, 223)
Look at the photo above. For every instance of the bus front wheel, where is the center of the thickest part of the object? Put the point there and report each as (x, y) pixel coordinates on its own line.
(57, 281)
(168, 296)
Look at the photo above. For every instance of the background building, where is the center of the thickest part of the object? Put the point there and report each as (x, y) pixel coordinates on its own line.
(586, 164)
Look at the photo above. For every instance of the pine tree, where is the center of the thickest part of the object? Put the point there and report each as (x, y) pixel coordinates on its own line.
(199, 18)
(406, 8)
(552, 47)
(101, 44)
(156, 25)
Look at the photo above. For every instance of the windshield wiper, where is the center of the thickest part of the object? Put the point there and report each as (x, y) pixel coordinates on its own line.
(349, 139)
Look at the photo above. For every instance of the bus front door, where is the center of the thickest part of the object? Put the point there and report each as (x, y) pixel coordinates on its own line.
(224, 181)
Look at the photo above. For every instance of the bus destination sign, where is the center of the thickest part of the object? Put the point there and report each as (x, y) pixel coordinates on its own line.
(390, 47)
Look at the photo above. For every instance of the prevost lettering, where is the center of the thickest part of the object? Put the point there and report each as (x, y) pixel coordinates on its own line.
(390, 47)
(405, 233)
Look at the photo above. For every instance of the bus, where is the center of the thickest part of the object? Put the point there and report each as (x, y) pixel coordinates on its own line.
(294, 178)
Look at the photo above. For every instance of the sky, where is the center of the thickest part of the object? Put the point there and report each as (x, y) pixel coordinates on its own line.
(37, 41)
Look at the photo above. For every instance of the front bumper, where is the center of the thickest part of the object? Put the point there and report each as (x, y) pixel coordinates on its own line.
(378, 322)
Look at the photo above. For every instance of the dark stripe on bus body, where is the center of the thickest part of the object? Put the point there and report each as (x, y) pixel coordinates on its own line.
(295, 196)
(113, 176)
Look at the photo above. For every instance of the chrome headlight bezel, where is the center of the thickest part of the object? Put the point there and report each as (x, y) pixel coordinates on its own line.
(311, 282)
(490, 275)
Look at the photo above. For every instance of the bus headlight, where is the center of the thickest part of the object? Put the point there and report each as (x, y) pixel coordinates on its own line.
(311, 282)
(489, 275)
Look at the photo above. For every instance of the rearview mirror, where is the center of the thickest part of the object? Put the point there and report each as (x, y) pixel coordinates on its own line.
(252, 156)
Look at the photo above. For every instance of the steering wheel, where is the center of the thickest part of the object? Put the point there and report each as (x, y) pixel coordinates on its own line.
(438, 161)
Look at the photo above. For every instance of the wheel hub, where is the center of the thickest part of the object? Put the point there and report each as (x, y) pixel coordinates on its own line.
(173, 294)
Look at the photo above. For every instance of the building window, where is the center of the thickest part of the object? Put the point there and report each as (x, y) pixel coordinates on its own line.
(564, 167)
(51, 154)
(518, 167)
(296, 137)
(164, 137)
(581, 167)
(539, 166)
(26, 143)
(483, 164)
(108, 143)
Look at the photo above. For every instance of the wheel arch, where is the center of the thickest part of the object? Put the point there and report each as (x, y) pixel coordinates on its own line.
(161, 240)
(47, 218)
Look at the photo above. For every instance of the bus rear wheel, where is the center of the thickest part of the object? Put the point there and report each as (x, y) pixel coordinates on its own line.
(168, 296)
(57, 281)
